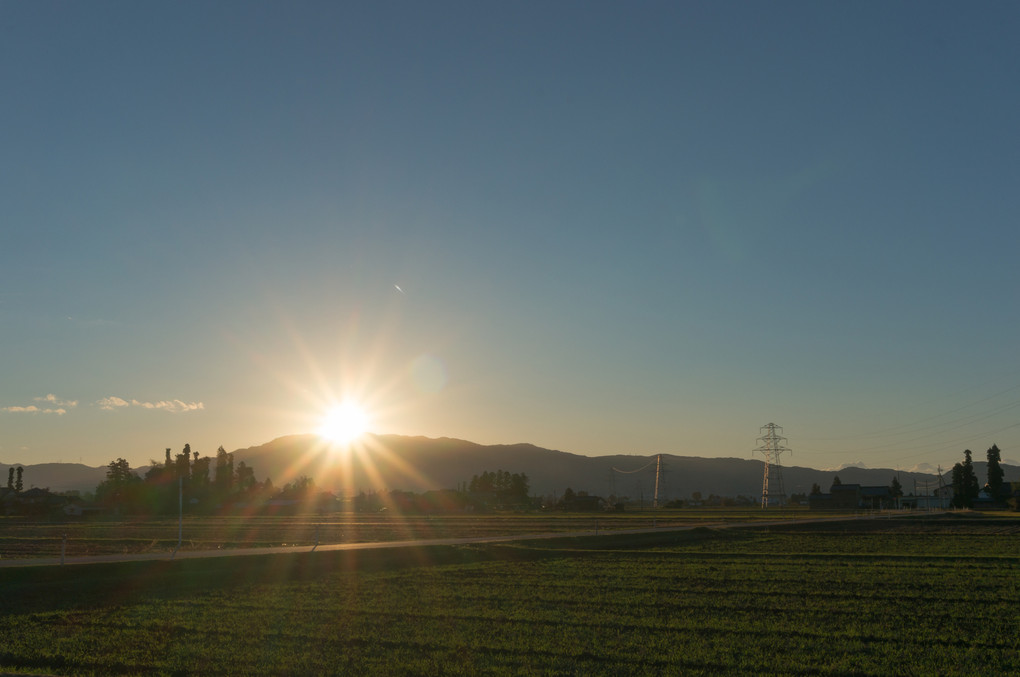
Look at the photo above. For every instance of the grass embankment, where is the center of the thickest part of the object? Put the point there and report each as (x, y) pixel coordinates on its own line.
(880, 597)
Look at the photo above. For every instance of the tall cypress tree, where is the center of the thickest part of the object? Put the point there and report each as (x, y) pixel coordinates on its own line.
(971, 488)
(959, 491)
(995, 473)
(895, 488)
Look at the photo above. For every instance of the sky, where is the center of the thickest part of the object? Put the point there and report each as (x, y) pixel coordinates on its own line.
(598, 227)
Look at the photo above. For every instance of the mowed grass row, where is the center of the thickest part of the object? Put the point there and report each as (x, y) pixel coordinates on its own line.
(693, 603)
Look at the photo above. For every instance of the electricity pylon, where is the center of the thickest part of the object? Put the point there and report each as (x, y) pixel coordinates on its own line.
(772, 480)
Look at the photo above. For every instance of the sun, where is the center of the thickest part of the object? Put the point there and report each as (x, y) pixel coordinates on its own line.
(344, 423)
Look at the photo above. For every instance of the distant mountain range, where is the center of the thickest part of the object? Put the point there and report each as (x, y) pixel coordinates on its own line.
(421, 464)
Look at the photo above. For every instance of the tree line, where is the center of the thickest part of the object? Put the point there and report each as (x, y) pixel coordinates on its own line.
(208, 484)
(966, 487)
(203, 485)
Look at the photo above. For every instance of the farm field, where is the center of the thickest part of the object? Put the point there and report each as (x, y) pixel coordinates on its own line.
(934, 596)
(21, 538)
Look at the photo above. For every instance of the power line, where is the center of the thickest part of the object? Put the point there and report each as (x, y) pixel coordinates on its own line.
(660, 471)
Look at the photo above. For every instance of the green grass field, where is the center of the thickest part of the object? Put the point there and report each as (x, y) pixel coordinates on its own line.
(878, 597)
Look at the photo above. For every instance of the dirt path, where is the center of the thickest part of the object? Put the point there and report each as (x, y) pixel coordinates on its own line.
(245, 552)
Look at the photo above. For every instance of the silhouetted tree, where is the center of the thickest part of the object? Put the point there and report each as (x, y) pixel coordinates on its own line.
(965, 482)
(369, 502)
(183, 464)
(223, 478)
(519, 488)
(18, 484)
(119, 471)
(836, 482)
(483, 484)
(895, 489)
(972, 487)
(160, 488)
(200, 487)
(501, 488)
(958, 486)
(245, 480)
(10, 478)
(120, 486)
(995, 473)
(302, 488)
(816, 490)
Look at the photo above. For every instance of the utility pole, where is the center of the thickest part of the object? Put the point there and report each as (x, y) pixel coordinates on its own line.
(658, 474)
(942, 487)
(772, 478)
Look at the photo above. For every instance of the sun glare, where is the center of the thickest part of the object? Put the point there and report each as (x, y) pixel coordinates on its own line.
(343, 423)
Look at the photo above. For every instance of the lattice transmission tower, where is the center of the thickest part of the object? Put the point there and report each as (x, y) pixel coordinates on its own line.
(771, 447)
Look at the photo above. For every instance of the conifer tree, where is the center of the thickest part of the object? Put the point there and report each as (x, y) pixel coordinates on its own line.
(896, 489)
(995, 472)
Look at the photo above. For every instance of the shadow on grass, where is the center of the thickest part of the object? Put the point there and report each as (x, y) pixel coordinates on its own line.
(52, 588)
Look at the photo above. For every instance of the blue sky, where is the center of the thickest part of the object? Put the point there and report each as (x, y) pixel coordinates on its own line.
(598, 227)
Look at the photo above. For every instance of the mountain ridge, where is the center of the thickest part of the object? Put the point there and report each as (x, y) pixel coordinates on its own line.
(419, 463)
(422, 463)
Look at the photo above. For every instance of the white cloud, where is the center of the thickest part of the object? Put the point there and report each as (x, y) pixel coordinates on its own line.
(57, 406)
(32, 409)
(170, 405)
(20, 410)
(173, 406)
(53, 399)
(111, 403)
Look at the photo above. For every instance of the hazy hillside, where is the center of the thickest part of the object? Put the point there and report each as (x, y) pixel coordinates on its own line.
(420, 464)
(58, 476)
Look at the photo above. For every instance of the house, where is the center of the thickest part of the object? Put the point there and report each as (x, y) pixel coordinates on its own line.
(820, 501)
(32, 501)
(845, 496)
(1001, 501)
(840, 497)
(877, 498)
(937, 501)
